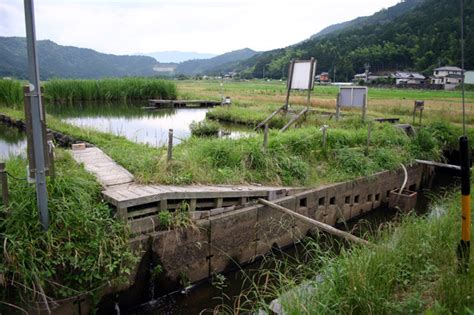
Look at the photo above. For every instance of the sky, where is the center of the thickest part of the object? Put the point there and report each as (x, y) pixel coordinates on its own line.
(205, 26)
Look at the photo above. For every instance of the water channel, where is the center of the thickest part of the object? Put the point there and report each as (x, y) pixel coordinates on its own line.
(12, 142)
(206, 297)
(135, 122)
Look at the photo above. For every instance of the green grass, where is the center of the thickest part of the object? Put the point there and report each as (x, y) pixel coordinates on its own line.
(83, 249)
(295, 157)
(414, 270)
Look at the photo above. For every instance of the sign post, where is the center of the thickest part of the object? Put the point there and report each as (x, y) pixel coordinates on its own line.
(301, 75)
(353, 96)
(37, 115)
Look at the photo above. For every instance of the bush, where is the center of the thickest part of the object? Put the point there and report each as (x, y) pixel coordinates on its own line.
(204, 128)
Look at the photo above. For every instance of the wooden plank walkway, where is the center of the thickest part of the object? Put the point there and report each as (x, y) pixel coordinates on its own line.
(182, 103)
(134, 201)
(107, 172)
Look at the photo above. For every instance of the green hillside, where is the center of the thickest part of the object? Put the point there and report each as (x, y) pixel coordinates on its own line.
(222, 63)
(423, 37)
(69, 62)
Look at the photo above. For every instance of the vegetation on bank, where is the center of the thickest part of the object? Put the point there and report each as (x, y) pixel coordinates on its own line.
(60, 90)
(84, 250)
(413, 270)
(205, 128)
(295, 157)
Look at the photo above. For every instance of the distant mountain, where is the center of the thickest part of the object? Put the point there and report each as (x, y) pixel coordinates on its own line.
(175, 56)
(414, 35)
(70, 62)
(225, 62)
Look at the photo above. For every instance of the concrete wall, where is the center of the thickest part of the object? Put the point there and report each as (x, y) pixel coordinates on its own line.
(220, 242)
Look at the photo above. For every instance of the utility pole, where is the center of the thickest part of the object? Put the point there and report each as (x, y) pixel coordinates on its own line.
(367, 68)
(465, 243)
(37, 115)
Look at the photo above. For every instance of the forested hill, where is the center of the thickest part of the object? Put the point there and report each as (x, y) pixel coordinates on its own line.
(69, 62)
(421, 39)
(225, 62)
(381, 17)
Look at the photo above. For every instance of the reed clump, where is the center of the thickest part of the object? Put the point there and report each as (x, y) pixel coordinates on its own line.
(11, 93)
(60, 90)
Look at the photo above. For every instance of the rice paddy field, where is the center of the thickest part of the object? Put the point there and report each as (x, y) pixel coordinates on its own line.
(382, 102)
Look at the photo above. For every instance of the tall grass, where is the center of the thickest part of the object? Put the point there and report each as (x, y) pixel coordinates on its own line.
(109, 89)
(414, 270)
(84, 248)
(11, 92)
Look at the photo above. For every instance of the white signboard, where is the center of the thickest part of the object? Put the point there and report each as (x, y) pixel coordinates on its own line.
(354, 96)
(302, 76)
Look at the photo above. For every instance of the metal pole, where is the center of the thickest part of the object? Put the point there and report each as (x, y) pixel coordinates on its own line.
(462, 71)
(465, 243)
(37, 115)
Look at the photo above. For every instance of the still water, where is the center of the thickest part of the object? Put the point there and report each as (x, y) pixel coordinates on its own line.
(12, 142)
(133, 121)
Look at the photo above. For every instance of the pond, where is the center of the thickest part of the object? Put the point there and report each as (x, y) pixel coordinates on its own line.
(12, 142)
(134, 121)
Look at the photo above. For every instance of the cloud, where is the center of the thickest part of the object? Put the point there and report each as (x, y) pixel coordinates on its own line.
(122, 26)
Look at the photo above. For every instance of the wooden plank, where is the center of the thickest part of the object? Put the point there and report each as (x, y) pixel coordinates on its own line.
(293, 120)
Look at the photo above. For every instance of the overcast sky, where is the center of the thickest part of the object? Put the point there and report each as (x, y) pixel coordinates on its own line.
(207, 26)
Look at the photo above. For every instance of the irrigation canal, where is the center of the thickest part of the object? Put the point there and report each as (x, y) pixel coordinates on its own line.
(223, 292)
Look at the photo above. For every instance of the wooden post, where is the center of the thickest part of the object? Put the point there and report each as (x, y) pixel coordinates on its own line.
(364, 108)
(414, 113)
(170, 145)
(265, 137)
(337, 106)
(4, 184)
(290, 81)
(421, 114)
(324, 130)
(320, 225)
(49, 141)
(311, 80)
(369, 134)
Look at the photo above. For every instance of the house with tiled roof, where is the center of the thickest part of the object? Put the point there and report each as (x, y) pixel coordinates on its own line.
(448, 76)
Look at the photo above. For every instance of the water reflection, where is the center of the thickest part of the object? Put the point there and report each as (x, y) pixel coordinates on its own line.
(131, 120)
(12, 142)
(134, 121)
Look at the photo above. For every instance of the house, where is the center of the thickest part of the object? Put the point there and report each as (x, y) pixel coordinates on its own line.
(408, 78)
(469, 77)
(449, 77)
(323, 77)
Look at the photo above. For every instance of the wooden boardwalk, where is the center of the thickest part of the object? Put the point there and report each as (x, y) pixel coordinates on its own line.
(182, 103)
(107, 172)
(134, 201)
